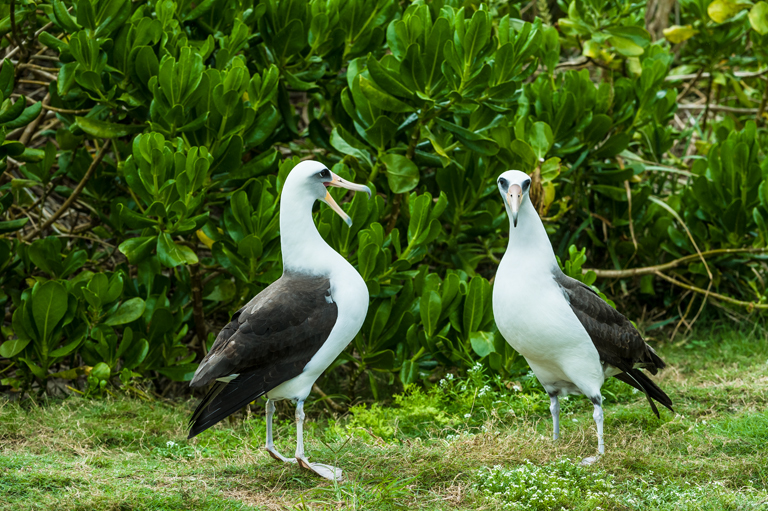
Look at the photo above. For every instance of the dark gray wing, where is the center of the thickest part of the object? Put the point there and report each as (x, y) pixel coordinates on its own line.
(617, 341)
(267, 342)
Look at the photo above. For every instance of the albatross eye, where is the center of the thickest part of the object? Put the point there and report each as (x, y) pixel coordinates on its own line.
(324, 174)
(526, 185)
(503, 182)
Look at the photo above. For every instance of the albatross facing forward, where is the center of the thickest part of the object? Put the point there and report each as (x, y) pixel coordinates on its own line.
(280, 342)
(571, 338)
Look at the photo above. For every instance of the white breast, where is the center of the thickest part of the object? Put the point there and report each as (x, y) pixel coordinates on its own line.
(349, 292)
(534, 317)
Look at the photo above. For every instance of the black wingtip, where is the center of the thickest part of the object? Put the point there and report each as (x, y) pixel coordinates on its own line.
(225, 398)
(641, 382)
(653, 406)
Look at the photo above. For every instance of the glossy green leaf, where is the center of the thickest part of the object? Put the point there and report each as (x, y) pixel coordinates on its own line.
(182, 372)
(86, 17)
(524, 157)
(382, 360)
(625, 46)
(344, 142)
(381, 132)
(135, 353)
(138, 249)
(430, 307)
(63, 18)
(472, 140)
(474, 305)
(66, 349)
(6, 79)
(49, 304)
(13, 347)
(482, 343)
(758, 17)
(541, 139)
(130, 310)
(386, 80)
(103, 129)
(13, 225)
(381, 99)
(402, 173)
(10, 109)
(172, 254)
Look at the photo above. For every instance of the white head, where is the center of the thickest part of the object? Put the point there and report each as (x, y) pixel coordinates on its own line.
(514, 187)
(308, 181)
(304, 250)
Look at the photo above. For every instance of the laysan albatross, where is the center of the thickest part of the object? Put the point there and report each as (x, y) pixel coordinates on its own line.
(280, 342)
(572, 339)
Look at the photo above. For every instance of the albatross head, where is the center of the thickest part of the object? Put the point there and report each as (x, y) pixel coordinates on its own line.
(514, 186)
(310, 179)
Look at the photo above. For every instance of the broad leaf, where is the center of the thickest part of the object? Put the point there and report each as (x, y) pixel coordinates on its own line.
(172, 254)
(130, 310)
(49, 304)
(402, 173)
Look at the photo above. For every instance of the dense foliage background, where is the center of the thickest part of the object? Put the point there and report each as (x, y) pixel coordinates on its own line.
(145, 144)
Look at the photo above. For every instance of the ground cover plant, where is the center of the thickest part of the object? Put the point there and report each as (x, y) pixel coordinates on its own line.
(458, 447)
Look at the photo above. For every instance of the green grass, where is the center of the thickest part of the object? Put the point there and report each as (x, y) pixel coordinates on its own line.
(462, 445)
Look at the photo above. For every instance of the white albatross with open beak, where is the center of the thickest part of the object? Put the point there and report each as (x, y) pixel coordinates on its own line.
(281, 341)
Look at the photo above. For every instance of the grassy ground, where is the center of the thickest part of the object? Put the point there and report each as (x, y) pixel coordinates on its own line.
(463, 445)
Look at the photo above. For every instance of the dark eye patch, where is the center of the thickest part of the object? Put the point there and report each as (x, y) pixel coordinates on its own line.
(503, 182)
(324, 174)
(526, 185)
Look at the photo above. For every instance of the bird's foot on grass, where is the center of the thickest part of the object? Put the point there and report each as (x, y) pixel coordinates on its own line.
(326, 471)
(589, 460)
(279, 457)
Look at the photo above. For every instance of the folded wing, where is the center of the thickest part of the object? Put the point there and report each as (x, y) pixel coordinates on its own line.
(267, 342)
(617, 341)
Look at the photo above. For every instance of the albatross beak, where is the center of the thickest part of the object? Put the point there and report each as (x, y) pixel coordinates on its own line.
(514, 199)
(341, 183)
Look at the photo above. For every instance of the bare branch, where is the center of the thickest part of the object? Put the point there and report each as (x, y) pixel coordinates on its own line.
(737, 74)
(647, 270)
(718, 108)
(75, 193)
(705, 292)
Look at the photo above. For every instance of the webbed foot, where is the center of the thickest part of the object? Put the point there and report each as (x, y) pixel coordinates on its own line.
(279, 457)
(326, 471)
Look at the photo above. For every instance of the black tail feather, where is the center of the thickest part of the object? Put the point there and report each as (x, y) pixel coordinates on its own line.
(224, 399)
(639, 380)
(655, 362)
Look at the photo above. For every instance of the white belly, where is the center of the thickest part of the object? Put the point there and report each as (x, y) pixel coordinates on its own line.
(534, 317)
(349, 292)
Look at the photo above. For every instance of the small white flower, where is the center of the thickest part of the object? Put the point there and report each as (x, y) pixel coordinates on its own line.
(170, 443)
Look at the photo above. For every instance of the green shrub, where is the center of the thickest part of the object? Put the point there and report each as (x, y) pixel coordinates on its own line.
(140, 208)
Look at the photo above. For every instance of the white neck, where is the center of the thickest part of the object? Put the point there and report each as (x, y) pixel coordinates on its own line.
(528, 242)
(304, 250)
